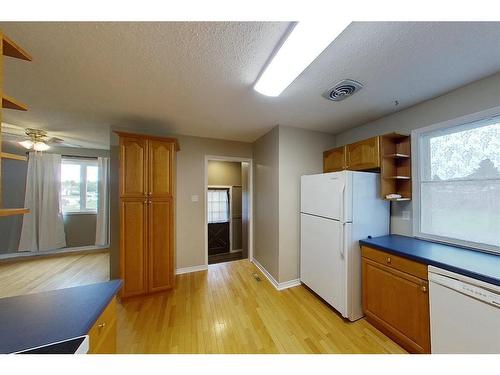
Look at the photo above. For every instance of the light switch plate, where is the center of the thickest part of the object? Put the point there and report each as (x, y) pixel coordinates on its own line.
(405, 215)
(195, 198)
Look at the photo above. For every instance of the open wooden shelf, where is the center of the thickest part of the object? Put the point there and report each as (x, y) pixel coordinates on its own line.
(395, 166)
(396, 156)
(12, 49)
(11, 103)
(397, 177)
(7, 155)
(13, 211)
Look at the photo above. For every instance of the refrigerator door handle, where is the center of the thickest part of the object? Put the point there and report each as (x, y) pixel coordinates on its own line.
(342, 241)
(342, 204)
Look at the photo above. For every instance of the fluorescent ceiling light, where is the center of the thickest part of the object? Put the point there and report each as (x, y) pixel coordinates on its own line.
(306, 41)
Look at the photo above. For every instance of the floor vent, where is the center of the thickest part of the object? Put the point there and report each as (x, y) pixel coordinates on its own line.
(342, 90)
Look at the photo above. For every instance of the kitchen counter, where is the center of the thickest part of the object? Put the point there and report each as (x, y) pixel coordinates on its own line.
(33, 320)
(478, 265)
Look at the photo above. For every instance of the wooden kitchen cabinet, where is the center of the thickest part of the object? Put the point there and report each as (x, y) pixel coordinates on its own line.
(334, 160)
(363, 155)
(396, 298)
(102, 335)
(389, 153)
(147, 190)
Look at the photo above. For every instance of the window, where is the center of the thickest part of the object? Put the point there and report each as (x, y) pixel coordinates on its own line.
(79, 185)
(458, 184)
(218, 205)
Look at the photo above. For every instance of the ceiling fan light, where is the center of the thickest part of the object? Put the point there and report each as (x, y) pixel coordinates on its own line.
(26, 144)
(41, 146)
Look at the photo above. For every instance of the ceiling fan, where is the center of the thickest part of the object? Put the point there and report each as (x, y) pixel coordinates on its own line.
(32, 139)
(37, 140)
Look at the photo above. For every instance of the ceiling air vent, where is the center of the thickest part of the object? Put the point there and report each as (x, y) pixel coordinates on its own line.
(342, 90)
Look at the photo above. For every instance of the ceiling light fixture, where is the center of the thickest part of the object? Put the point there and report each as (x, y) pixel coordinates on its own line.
(36, 140)
(304, 43)
(40, 146)
(27, 144)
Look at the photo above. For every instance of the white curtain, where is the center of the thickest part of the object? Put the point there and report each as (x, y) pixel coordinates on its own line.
(43, 227)
(102, 224)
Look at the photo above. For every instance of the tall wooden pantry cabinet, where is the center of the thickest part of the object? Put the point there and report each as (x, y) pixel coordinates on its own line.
(147, 233)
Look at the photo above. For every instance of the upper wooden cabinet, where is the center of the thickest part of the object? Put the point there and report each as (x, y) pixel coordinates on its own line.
(133, 160)
(363, 155)
(147, 187)
(389, 153)
(334, 160)
(160, 176)
(396, 298)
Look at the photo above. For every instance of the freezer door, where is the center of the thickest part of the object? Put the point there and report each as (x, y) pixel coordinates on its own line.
(322, 259)
(327, 195)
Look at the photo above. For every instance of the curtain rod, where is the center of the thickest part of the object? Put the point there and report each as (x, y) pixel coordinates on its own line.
(73, 156)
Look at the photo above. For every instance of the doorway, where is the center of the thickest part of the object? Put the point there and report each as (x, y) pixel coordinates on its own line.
(227, 209)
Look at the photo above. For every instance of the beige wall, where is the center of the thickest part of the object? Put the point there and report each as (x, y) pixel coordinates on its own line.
(225, 173)
(266, 214)
(190, 216)
(300, 152)
(281, 157)
(474, 97)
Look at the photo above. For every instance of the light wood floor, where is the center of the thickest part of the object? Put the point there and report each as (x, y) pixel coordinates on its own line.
(55, 272)
(222, 310)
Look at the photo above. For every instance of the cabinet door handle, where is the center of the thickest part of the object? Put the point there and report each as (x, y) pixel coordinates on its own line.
(389, 260)
(424, 288)
(102, 325)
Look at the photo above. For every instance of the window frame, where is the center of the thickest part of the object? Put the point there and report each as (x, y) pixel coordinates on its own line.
(230, 197)
(81, 161)
(416, 147)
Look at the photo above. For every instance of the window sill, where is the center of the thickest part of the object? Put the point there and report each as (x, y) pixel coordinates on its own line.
(80, 213)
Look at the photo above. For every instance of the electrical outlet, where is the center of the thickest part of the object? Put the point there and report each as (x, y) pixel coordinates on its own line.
(195, 198)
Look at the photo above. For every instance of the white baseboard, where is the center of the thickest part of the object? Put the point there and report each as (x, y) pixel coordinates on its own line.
(288, 284)
(180, 271)
(272, 280)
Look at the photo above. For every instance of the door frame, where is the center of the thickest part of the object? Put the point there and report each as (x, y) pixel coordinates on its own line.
(250, 200)
(230, 188)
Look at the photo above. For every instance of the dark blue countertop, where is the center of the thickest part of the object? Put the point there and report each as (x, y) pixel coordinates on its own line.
(475, 264)
(33, 320)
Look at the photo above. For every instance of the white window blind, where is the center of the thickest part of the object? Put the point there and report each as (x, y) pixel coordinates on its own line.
(218, 205)
(459, 184)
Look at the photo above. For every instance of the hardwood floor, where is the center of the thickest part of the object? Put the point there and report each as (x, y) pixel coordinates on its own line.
(54, 272)
(222, 310)
(224, 257)
(226, 310)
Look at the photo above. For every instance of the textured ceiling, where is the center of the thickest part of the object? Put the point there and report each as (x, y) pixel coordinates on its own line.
(196, 78)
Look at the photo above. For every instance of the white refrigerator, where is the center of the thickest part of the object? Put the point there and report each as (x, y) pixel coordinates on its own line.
(337, 210)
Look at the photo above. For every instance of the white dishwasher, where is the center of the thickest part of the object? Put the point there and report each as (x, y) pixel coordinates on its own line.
(465, 313)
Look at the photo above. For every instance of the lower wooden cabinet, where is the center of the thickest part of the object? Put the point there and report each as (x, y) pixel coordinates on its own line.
(102, 335)
(396, 298)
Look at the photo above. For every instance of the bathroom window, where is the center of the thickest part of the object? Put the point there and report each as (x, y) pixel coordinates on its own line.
(79, 190)
(458, 184)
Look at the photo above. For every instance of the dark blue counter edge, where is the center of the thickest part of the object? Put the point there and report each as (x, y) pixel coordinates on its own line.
(115, 286)
(431, 262)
